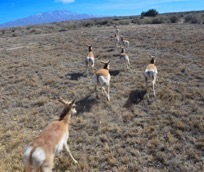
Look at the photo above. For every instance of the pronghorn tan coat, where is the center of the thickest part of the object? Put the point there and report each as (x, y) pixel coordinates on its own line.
(39, 155)
(90, 58)
(124, 57)
(102, 78)
(151, 73)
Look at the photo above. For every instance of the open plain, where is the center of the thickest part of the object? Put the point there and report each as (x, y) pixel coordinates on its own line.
(130, 133)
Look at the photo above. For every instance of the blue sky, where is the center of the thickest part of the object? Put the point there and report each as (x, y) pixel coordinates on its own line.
(15, 9)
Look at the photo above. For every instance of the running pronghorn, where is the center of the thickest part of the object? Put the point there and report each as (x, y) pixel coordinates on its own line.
(117, 40)
(151, 73)
(124, 43)
(102, 78)
(124, 57)
(39, 155)
(90, 58)
(117, 31)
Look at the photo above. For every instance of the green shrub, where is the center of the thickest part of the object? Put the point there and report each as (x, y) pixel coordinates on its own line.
(150, 13)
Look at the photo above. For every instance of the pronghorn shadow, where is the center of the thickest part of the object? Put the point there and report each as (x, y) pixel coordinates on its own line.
(114, 72)
(135, 97)
(85, 104)
(74, 75)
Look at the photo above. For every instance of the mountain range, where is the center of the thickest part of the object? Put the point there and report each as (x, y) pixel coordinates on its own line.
(46, 17)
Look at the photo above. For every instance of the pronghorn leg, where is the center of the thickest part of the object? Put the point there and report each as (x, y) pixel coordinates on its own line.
(46, 166)
(96, 91)
(92, 65)
(107, 94)
(87, 66)
(153, 82)
(70, 154)
(28, 169)
(46, 169)
(146, 80)
(156, 79)
(128, 64)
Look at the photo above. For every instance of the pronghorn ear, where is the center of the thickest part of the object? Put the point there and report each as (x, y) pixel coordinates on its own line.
(151, 56)
(63, 101)
(105, 62)
(72, 102)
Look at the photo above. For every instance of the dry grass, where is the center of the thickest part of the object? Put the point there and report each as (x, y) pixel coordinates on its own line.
(129, 133)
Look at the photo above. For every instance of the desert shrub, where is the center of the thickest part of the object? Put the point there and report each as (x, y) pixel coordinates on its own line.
(87, 24)
(124, 22)
(102, 22)
(190, 19)
(157, 21)
(35, 31)
(136, 21)
(62, 30)
(14, 35)
(3, 31)
(147, 21)
(116, 18)
(173, 19)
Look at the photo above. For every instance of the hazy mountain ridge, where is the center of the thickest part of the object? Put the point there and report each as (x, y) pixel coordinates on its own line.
(47, 17)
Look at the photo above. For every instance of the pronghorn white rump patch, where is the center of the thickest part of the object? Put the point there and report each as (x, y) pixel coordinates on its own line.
(101, 80)
(125, 58)
(89, 59)
(150, 73)
(26, 155)
(38, 157)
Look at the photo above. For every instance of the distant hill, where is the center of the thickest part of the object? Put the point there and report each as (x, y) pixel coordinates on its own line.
(47, 17)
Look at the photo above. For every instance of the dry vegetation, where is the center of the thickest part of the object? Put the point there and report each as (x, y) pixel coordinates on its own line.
(129, 133)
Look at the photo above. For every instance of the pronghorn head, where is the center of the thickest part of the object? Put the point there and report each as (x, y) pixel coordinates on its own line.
(89, 47)
(153, 60)
(69, 107)
(122, 49)
(106, 64)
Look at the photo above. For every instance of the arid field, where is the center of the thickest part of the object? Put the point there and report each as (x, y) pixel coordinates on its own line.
(128, 134)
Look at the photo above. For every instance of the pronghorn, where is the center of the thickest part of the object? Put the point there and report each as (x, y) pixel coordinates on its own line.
(90, 58)
(117, 39)
(151, 73)
(102, 77)
(39, 155)
(124, 43)
(124, 57)
(116, 30)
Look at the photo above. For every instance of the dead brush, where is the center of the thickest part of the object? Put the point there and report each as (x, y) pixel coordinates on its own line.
(167, 94)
